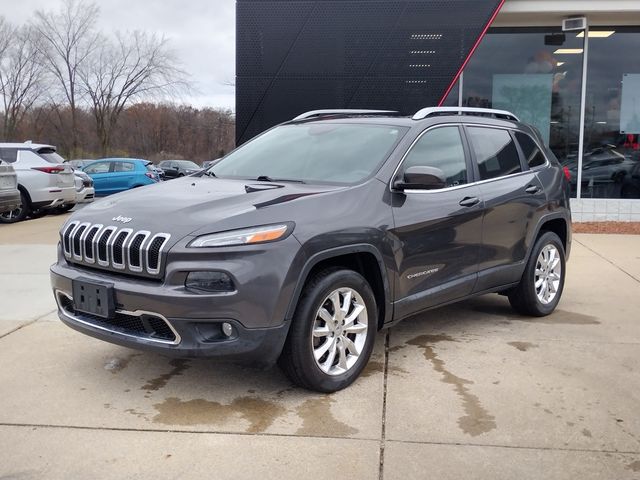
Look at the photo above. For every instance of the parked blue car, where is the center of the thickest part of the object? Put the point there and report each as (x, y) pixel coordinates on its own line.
(113, 175)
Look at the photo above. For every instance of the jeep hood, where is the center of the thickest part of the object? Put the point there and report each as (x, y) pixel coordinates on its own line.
(194, 205)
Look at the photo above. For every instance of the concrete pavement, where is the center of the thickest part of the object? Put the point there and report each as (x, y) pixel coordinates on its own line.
(467, 391)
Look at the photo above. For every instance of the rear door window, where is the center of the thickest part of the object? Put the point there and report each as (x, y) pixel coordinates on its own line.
(532, 154)
(102, 167)
(124, 167)
(495, 152)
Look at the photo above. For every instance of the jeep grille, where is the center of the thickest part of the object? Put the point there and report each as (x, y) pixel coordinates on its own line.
(108, 247)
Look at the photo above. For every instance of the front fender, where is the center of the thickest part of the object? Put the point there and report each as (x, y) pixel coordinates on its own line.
(318, 257)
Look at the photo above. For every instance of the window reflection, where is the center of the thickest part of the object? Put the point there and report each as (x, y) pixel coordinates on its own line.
(525, 71)
(612, 126)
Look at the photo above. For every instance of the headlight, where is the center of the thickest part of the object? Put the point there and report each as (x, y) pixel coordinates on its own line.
(246, 236)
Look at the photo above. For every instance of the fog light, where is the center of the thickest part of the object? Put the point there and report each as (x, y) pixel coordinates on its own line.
(227, 329)
(209, 282)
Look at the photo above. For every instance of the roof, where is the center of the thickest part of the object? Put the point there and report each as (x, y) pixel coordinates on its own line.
(26, 145)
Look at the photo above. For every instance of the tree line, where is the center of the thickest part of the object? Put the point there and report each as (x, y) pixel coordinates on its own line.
(91, 93)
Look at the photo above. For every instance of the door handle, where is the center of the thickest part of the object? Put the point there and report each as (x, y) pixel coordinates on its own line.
(469, 201)
(532, 189)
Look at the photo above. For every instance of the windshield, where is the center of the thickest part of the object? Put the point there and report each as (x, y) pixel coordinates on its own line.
(313, 152)
(188, 164)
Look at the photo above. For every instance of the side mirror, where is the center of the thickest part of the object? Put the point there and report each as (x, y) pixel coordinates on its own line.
(421, 178)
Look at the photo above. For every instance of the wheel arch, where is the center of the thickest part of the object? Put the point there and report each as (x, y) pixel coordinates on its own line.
(557, 223)
(362, 258)
(24, 190)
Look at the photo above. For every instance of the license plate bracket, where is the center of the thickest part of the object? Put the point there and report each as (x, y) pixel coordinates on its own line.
(94, 297)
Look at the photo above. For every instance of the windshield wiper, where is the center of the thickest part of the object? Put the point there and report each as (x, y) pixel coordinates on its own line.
(209, 173)
(266, 178)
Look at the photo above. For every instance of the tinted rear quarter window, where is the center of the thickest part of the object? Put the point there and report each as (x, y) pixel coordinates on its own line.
(495, 151)
(532, 154)
(50, 155)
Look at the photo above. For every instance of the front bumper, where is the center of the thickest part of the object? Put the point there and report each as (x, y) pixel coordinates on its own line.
(9, 200)
(256, 310)
(193, 337)
(86, 195)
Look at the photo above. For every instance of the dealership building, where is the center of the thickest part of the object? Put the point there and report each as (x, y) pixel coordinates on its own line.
(578, 83)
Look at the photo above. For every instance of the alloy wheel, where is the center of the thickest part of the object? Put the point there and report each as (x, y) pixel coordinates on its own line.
(339, 331)
(548, 274)
(12, 214)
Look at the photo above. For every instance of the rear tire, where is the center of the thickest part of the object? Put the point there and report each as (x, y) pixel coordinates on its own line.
(328, 347)
(17, 214)
(542, 283)
(63, 209)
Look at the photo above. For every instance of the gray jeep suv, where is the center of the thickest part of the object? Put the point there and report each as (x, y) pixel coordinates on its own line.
(304, 242)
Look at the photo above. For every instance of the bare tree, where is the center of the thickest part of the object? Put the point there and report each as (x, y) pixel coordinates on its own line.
(69, 38)
(21, 75)
(133, 66)
(6, 31)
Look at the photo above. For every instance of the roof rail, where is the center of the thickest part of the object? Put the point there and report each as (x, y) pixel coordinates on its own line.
(431, 111)
(322, 113)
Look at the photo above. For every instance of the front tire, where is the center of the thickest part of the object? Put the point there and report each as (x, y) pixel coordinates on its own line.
(332, 332)
(540, 289)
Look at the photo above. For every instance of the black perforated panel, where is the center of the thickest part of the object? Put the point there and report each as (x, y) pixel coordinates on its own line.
(294, 56)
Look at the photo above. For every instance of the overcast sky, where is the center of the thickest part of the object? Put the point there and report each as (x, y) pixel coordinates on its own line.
(201, 32)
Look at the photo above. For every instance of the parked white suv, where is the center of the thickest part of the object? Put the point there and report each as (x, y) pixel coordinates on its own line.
(44, 180)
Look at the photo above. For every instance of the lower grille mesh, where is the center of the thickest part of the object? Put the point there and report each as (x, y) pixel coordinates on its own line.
(146, 326)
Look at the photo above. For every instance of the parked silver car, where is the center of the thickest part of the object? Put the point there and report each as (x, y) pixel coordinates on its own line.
(44, 180)
(9, 193)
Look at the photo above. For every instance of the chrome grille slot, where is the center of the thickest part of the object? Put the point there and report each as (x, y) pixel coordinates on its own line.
(134, 251)
(66, 239)
(117, 248)
(76, 245)
(154, 249)
(103, 246)
(112, 248)
(88, 245)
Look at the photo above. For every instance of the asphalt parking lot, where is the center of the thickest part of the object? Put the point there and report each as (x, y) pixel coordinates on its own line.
(467, 391)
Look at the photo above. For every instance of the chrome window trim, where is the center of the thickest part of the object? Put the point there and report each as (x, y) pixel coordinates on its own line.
(112, 240)
(166, 237)
(93, 242)
(457, 187)
(136, 313)
(73, 237)
(75, 224)
(111, 229)
(127, 247)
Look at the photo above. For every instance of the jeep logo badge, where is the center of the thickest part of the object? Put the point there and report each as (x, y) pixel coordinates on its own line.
(121, 219)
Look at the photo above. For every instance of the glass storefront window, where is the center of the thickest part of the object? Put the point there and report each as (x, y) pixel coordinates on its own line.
(537, 74)
(612, 127)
